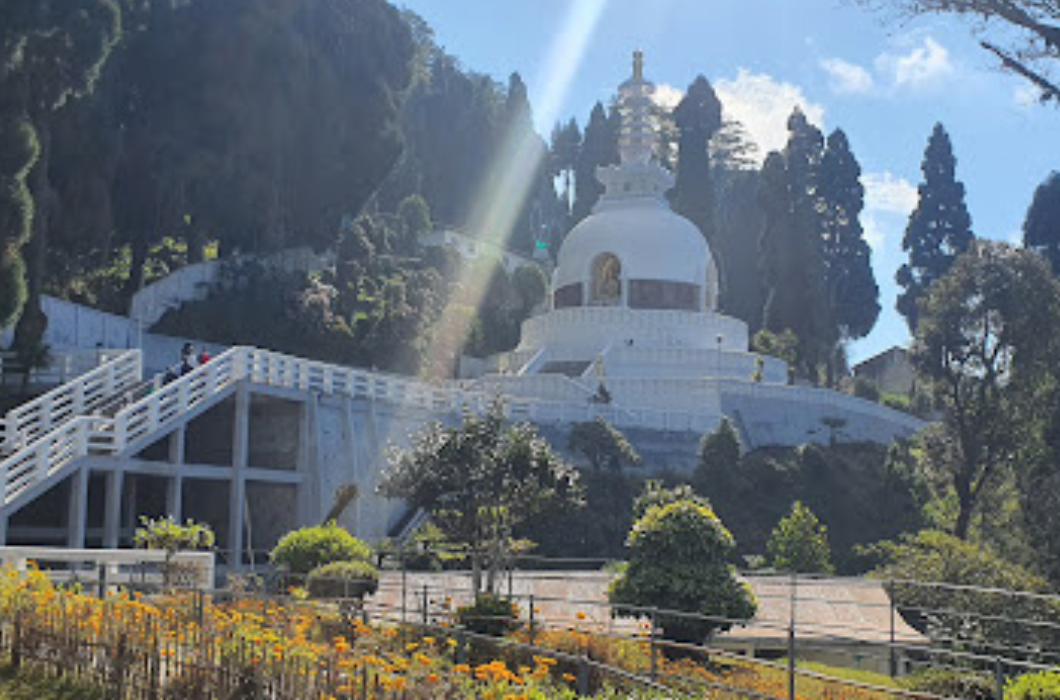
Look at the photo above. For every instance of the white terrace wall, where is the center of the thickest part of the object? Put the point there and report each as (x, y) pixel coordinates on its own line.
(75, 327)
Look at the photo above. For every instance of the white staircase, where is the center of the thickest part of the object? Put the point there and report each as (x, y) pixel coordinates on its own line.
(84, 395)
(50, 436)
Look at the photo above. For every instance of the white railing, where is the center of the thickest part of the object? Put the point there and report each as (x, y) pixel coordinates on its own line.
(136, 424)
(24, 425)
(110, 561)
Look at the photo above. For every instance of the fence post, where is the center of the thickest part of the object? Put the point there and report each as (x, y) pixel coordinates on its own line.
(999, 677)
(654, 649)
(791, 640)
(426, 607)
(531, 627)
(892, 652)
(583, 677)
(404, 589)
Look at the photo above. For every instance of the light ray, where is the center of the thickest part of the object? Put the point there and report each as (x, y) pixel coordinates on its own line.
(512, 174)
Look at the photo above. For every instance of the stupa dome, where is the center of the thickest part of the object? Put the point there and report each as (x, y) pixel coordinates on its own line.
(633, 250)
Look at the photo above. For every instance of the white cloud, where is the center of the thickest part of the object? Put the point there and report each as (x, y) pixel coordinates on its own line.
(667, 96)
(888, 194)
(1026, 95)
(763, 104)
(845, 78)
(921, 66)
(874, 233)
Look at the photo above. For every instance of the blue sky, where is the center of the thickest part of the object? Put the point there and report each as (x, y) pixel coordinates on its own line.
(884, 82)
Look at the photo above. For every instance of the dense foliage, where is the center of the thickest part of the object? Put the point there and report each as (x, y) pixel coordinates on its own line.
(972, 608)
(602, 445)
(987, 356)
(479, 481)
(939, 230)
(1041, 229)
(343, 579)
(799, 543)
(1044, 685)
(864, 492)
(302, 551)
(679, 561)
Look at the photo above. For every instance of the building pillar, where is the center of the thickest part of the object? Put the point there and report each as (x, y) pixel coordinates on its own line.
(175, 485)
(237, 484)
(237, 499)
(3, 530)
(77, 510)
(115, 481)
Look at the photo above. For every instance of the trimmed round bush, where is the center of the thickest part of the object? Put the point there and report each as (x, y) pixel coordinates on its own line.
(343, 579)
(1034, 686)
(304, 550)
(952, 684)
(489, 614)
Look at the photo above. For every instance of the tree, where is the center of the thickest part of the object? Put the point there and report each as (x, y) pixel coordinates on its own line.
(563, 154)
(984, 353)
(1028, 34)
(853, 296)
(50, 53)
(939, 229)
(599, 147)
(1041, 228)
(957, 600)
(799, 543)
(603, 446)
(679, 563)
(478, 481)
(719, 459)
(792, 258)
(698, 118)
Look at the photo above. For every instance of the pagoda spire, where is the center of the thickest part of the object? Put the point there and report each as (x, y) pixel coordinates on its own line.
(637, 139)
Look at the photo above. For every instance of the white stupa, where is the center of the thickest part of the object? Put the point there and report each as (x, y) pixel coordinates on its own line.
(633, 322)
(634, 296)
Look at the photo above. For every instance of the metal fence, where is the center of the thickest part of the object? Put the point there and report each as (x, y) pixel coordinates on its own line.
(190, 652)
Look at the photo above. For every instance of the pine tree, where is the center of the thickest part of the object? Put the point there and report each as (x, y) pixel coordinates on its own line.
(791, 251)
(799, 543)
(1041, 229)
(853, 295)
(599, 147)
(939, 230)
(566, 142)
(698, 118)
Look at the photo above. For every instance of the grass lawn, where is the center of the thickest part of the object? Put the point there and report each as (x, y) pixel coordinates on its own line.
(32, 686)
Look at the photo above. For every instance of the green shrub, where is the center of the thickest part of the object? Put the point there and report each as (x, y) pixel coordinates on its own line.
(952, 684)
(490, 614)
(303, 550)
(343, 579)
(1034, 686)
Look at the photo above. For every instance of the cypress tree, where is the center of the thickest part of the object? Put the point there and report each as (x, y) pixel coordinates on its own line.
(599, 147)
(792, 259)
(853, 295)
(1041, 229)
(698, 118)
(939, 230)
(52, 52)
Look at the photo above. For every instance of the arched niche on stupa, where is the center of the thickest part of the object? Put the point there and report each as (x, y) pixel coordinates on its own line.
(605, 286)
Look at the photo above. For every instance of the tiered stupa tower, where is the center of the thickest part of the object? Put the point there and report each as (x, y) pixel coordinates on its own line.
(634, 295)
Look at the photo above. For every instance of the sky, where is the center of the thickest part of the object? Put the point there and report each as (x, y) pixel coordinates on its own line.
(883, 80)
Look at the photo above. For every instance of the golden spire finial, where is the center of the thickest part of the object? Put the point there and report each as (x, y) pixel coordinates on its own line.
(638, 65)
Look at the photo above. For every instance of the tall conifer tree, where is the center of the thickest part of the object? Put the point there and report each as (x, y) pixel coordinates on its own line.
(698, 118)
(853, 295)
(50, 52)
(599, 147)
(792, 257)
(1041, 229)
(939, 230)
